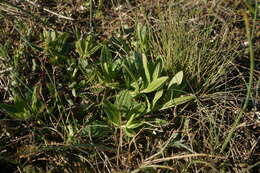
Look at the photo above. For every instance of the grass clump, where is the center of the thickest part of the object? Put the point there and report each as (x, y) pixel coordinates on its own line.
(158, 95)
(196, 39)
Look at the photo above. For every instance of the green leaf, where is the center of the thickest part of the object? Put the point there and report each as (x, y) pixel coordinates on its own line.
(129, 132)
(129, 72)
(133, 77)
(16, 110)
(96, 129)
(79, 45)
(85, 48)
(139, 32)
(177, 79)
(34, 100)
(157, 71)
(154, 85)
(73, 91)
(131, 120)
(157, 96)
(146, 69)
(138, 108)
(135, 125)
(143, 36)
(148, 104)
(10, 109)
(20, 104)
(123, 100)
(117, 64)
(112, 113)
(106, 60)
(132, 123)
(177, 101)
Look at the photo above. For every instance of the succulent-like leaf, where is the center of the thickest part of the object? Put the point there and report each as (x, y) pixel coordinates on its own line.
(129, 132)
(148, 104)
(123, 100)
(134, 125)
(146, 69)
(143, 36)
(96, 129)
(85, 48)
(154, 85)
(9, 108)
(177, 79)
(17, 109)
(132, 77)
(106, 60)
(177, 101)
(157, 71)
(112, 113)
(157, 96)
(133, 122)
(129, 72)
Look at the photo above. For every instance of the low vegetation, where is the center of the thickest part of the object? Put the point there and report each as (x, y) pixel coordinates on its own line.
(129, 86)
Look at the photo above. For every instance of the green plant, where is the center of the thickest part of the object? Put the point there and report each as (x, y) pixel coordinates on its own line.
(147, 79)
(125, 113)
(146, 88)
(25, 107)
(56, 46)
(86, 47)
(143, 37)
(109, 69)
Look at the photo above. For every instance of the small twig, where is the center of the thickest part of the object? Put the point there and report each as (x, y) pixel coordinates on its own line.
(49, 11)
(182, 157)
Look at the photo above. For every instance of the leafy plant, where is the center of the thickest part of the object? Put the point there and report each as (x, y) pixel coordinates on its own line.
(143, 37)
(109, 69)
(86, 47)
(148, 78)
(146, 89)
(125, 113)
(25, 107)
(56, 45)
(96, 129)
